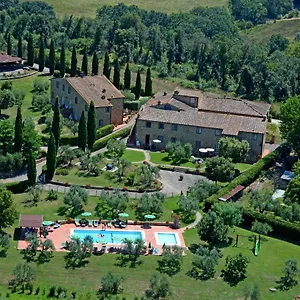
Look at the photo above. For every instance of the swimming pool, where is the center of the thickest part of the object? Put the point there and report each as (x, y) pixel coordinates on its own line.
(165, 238)
(107, 236)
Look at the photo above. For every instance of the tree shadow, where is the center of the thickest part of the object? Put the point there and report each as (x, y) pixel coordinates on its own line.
(123, 261)
(193, 273)
(28, 256)
(73, 263)
(3, 253)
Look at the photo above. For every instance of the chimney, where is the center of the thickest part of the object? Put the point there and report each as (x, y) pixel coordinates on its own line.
(104, 91)
(165, 93)
(159, 102)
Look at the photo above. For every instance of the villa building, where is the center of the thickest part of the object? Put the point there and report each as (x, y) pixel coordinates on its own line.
(76, 93)
(189, 116)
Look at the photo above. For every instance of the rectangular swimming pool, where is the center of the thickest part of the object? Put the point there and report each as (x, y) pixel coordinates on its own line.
(107, 236)
(169, 239)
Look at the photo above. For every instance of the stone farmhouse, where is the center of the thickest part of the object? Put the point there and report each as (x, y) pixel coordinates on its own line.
(190, 116)
(76, 93)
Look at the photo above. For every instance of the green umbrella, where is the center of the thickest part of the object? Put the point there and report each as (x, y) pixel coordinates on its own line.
(86, 214)
(150, 217)
(47, 223)
(74, 237)
(123, 215)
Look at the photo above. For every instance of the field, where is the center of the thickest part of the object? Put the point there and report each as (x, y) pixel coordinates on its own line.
(262, 33)
(264, 270)
(88, 8)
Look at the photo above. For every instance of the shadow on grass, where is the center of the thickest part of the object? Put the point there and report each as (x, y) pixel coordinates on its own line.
(73, 263)
(123, 260)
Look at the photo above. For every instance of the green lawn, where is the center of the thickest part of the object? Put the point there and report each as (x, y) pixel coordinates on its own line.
(133, 155)
(264, 270)
(90, 6)
(242, 166)
(160, 158)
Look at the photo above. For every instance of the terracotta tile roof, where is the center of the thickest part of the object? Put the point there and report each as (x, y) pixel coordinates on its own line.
(230, 123)
(31, 221)
(238, 106)
(95, 88)
(233, 192)
(6, 59)
(188, 92)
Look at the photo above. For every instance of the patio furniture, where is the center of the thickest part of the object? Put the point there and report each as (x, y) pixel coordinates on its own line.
(90, 223)
(56, 226)
(96, 223)
(77, 223)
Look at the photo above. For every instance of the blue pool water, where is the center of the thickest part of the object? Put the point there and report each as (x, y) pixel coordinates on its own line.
(108, 236)
(167, 239)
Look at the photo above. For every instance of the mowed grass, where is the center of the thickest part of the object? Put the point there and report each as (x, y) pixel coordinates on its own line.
(88, 8)
(262, 33)
(160, 158)
(263, 270)
(133, 155)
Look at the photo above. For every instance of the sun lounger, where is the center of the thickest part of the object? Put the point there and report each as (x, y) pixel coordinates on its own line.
(96, 223)
(77, 223)
(90, 223)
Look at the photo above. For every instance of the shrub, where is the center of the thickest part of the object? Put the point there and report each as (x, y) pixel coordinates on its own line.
(61, 171)
(12, 163)
(101, 132)
(101, 143)
(132, 105)
(52, 195)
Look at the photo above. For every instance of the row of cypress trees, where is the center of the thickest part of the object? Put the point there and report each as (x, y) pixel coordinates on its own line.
(86, 135)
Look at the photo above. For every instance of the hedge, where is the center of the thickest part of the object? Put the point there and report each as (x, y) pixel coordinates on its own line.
(250, 175)
(280, 227)
(101, 132)
(101, 143)
(18, 187)
(132, 105)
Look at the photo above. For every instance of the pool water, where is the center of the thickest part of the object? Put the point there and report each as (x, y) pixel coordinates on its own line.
(167, 239)
(108, 236)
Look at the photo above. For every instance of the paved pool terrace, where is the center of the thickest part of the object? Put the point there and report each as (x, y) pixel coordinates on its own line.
(154, 235)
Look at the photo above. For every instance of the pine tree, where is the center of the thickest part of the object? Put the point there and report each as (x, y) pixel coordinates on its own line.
(148, 86)
(51, 57)
(91, 126)
(31, 167)
(73, 63)
(51, 157)
(18, 131)
(30, 51)
(20, 47)
(62, 64)
(41, 55)
(95, 64)
(82, 132)
(116, 79)
(138, 85)
(127, 78)
(56, 124)
(84, 66)
(106, 67)
(9, 46)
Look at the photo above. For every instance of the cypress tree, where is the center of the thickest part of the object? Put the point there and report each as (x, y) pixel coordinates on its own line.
(116, 79)
(30, 51)
(31, 167)
(41, 55)
(18, 131)
(51, 58)
(84, 66)
(8, 41)
(97, 38)
(20, 47)
(95, 64)
(73, 63)
(51, 157)
(106, 67)
(82, 132)
(127, 78)
(138, 85)
(148, 85)
(56, 124)
(62, 64)
(91, 126)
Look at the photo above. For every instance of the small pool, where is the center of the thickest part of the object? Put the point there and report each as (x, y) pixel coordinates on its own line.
(169, 239)
(107, 236)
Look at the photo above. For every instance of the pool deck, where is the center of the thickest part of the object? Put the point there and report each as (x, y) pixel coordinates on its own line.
(62, 234)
